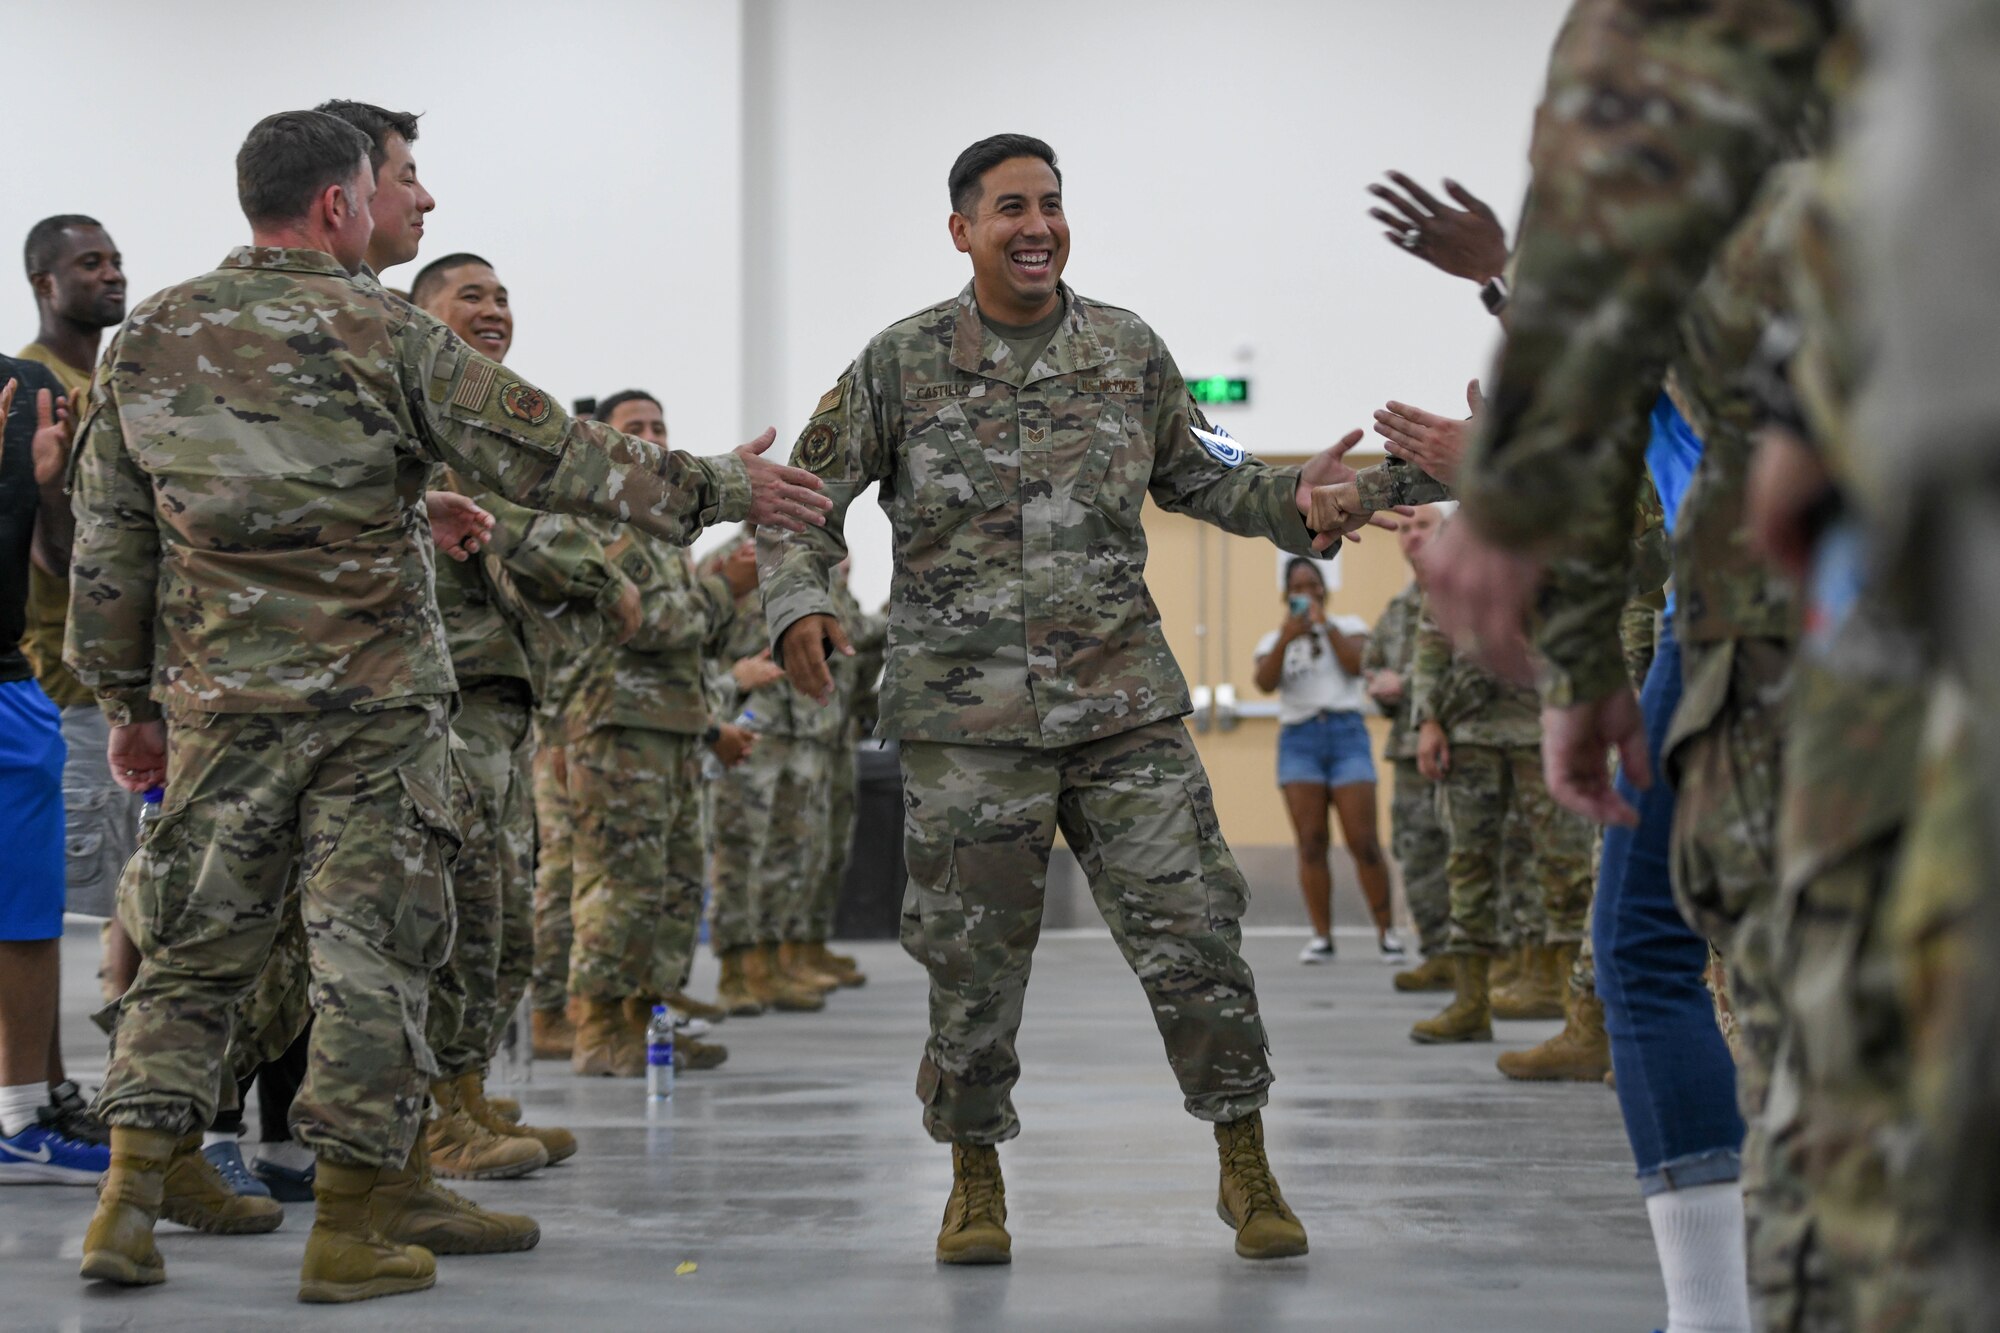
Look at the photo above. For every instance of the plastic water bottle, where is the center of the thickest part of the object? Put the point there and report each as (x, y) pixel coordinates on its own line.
(711, 767)
(150, 807)
(660, 1056)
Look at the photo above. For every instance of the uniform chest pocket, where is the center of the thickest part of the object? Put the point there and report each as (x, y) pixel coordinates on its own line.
(946, 477)
(1117, 466)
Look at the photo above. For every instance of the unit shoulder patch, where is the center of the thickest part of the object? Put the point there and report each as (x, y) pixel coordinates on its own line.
(816, 449)
(524, 402)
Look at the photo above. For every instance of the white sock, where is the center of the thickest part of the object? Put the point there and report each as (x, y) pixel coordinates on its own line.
(210, 1137)
(18, 1106)
(1699, 1235)
(291, 1156)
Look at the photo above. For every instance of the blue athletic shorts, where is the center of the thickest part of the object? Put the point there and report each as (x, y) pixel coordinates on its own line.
(1333, 750)
(31, 830)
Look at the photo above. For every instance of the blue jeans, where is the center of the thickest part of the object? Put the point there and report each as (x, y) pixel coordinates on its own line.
(1676, 1080)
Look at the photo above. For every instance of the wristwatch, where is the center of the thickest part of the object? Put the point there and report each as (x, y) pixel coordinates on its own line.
(712, 735)
(1493, 294)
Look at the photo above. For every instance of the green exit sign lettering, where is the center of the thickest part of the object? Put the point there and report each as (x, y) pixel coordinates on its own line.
(1220, 389)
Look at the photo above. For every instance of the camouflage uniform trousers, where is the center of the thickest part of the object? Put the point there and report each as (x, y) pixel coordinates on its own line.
(1835, 1249)
(743, 803)
(1136, 808)
(492, 884)
(1723, 755)
(356, 800)
(810, 834)
(626, 787)
(1504, 827)
(842, 807)
(679, 925)
(553, 931)
(1420, 846)
(1524, 916)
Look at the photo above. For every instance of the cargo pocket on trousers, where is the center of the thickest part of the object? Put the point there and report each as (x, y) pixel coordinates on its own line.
(1224, 892)
(152, 900)
(421, 930)
(933, 925)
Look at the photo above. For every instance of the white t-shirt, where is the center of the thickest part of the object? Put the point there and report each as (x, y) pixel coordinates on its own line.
(1314, 685)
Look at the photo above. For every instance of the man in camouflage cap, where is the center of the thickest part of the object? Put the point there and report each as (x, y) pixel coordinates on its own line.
(252, 606)
(1016, 431)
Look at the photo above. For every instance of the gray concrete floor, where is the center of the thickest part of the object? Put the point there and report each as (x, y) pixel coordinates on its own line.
(798, 1183)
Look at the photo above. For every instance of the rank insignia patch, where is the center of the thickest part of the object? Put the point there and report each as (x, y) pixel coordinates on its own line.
(1220, 446)
(815, 451)
(524, 402)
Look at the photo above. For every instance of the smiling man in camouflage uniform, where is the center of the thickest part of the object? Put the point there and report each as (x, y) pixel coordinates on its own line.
(1016, 431)
(252, 606)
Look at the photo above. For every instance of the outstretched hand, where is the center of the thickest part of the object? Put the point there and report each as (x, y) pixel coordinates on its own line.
(781, 496)
(1428, 441)
(1466, 242)
(1324, 475)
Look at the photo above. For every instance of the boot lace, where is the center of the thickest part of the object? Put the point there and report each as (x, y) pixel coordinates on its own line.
(980, 1182)
(1251, 1170)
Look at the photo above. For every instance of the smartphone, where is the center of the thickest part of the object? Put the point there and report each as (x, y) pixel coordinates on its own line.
(1301, 604)
(583, 409)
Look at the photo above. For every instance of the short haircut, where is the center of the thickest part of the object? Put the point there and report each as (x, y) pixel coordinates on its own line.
(607, 406)
(432, 275)
(376, 122)
(290, 158)
(1298, 562)
(45, 241)
(987, 154)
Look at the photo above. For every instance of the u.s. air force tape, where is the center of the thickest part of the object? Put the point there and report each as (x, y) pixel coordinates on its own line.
(1220, 446)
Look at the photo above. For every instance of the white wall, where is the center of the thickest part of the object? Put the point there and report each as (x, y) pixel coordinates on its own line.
(1214, 155)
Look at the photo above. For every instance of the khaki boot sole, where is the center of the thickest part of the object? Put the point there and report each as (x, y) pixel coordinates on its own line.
(1526, 1067)
(110, 1266)
(977, 1254)
(1284, 1249)
(195, 1219)
(443, 1240)
(340, 1293)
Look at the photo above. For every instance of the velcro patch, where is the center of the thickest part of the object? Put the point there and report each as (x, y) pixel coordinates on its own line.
(524, 402)
(1220, 447)
(931, 393)
(475, 384)
(1107, 386)
(831, 398)
(816, 448)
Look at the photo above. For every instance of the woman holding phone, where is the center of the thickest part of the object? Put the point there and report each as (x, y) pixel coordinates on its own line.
(1325, 757)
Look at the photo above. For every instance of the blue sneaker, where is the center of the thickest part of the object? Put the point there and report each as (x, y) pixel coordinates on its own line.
(283, 1183)
(227, 1159)
(40, 1156)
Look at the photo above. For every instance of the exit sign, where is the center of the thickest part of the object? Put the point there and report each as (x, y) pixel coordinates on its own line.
(1220, 389)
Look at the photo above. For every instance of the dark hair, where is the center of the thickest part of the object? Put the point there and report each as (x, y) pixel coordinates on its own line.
(1293, 565)
(987, 154)
(431, 276)
(289, 158)
(606, 406)
(375, 122)
(45, 240)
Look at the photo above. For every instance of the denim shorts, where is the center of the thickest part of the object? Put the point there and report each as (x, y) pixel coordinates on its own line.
(1333, 750)
(31, 837)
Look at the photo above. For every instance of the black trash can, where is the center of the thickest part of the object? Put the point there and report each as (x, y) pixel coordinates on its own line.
(871, 901)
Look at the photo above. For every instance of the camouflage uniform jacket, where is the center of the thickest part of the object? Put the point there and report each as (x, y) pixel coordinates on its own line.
(856, 677)
(1392, 647)
(653, 681)
(553, 577)
(1473, 706)
(1657, 126)
(249, 480)
(1018, 609)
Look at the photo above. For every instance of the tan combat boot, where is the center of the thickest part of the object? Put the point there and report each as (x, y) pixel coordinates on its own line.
(1249, 1200)
(559, 1144)
(409, 1207)
(1434, 973)
(606, 1046)
(196, 1195)
(734, 992)
(463, 1149)
(1508, 966)
(1468, 1017)
(119, 1246)
(506, 1108)
(347, 1259)
(975, 1216)
(553, 1035)
(837, 965)
(693, 1053)
(1580, 1053)
(794, 963)
(688, 1007)
(1538, 989)
(786, 992)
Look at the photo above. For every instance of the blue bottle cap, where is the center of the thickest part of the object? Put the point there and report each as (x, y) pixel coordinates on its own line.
(154, 795)
(659, 1009)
